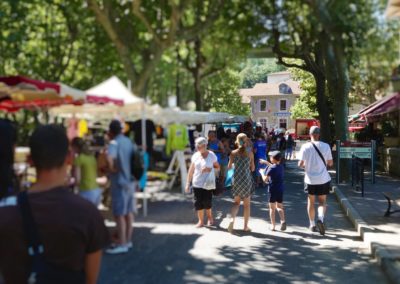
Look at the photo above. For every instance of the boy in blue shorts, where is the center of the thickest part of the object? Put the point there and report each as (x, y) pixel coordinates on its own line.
(274, 176)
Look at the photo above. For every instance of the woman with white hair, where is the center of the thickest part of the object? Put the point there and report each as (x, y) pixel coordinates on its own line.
(202, 177)
(243, 186)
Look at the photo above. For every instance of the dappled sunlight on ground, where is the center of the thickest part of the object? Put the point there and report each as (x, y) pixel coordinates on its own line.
(169, 249)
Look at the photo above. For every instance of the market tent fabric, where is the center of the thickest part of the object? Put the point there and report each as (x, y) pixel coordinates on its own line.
(67, 91)
(18, 92)
(112, 89)
(87, 111)
(30, 84)
(382, 106)
(162, 116)
(175, 115)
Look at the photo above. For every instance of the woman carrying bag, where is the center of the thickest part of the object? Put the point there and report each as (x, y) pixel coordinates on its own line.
(201, 178)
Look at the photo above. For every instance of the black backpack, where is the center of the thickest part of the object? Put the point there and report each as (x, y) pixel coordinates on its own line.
(137, 164)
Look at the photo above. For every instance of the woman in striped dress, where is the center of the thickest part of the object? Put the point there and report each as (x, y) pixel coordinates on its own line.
(243, 186)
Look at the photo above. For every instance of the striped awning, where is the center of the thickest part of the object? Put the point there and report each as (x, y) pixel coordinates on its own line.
(385, 105)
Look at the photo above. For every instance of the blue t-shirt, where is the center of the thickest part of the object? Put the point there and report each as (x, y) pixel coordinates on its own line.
(261, 146)
(121, 150)
(276, 174)
(214, 146)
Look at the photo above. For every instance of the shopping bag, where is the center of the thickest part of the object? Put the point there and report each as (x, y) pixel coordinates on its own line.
(209, 184)
(229, 177)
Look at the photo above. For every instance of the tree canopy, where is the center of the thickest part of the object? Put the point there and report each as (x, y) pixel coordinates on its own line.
(196, 50)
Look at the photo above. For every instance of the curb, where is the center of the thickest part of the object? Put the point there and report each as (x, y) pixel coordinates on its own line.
(384, 258)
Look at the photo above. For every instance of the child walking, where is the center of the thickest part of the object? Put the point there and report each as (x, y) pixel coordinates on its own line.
(274, 176)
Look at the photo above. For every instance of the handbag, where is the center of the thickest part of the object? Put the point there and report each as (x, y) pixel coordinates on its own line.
(42, 272)
(323, 160)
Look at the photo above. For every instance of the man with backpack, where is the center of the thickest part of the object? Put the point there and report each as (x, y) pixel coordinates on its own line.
(121, 151)
(48, 234)
(315, 157)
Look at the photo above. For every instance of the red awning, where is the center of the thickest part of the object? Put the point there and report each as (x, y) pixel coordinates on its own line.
(103, 100)
(13, 106)
(385, 105)
(30, 84)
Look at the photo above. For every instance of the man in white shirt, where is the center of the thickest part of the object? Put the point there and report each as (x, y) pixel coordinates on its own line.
(315, 157)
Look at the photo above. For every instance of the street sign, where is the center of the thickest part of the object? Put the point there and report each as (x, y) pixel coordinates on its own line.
(362, 150)
(355, 144)
(361, 155)
(282, 114)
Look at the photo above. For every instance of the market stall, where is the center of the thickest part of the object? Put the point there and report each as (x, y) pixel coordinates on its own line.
(109, 90)
(381, 121)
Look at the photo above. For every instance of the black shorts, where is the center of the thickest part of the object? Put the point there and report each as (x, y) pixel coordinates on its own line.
(275, 196)
(202, 198)
(318, 189)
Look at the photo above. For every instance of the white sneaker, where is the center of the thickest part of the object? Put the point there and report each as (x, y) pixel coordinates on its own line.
(129, 245)
(119, 249)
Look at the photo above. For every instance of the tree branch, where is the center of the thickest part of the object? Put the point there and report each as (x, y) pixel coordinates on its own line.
(189, 33)
(138, 13)
(212, 71)
(102, 16)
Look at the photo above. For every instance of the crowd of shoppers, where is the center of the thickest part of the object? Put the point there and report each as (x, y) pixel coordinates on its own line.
(247, 156)
(41, 239)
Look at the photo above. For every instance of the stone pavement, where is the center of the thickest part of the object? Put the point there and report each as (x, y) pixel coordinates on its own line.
(380, 234)
(168, 249)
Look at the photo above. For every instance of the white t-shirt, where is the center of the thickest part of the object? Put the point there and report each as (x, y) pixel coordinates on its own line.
(315, 170)
(200, 163)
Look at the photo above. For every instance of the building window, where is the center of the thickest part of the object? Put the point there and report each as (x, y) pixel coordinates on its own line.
(283, 123)
(264, 123)
(285, 89)
(263, 105)
(283, 105)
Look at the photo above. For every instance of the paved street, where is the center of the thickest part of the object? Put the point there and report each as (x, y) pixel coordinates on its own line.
(168, 249)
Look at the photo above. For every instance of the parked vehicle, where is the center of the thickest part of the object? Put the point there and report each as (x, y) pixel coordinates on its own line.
(303, 127)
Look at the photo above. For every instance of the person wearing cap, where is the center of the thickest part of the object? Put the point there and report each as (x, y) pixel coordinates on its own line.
(120, 151)
(315, 157)
(201, 171)
(274, 176)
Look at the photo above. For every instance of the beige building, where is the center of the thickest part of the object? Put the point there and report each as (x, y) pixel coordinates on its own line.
(271, 102)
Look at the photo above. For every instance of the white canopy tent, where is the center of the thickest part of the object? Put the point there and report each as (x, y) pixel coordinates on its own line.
(113, 88)
(74, 93)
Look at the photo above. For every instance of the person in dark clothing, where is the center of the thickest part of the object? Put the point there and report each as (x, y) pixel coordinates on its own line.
(71, 229)
(290, 144)
(274, 176)
(136, 127)
(221, 133)
(150, 130)
(8, 137)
